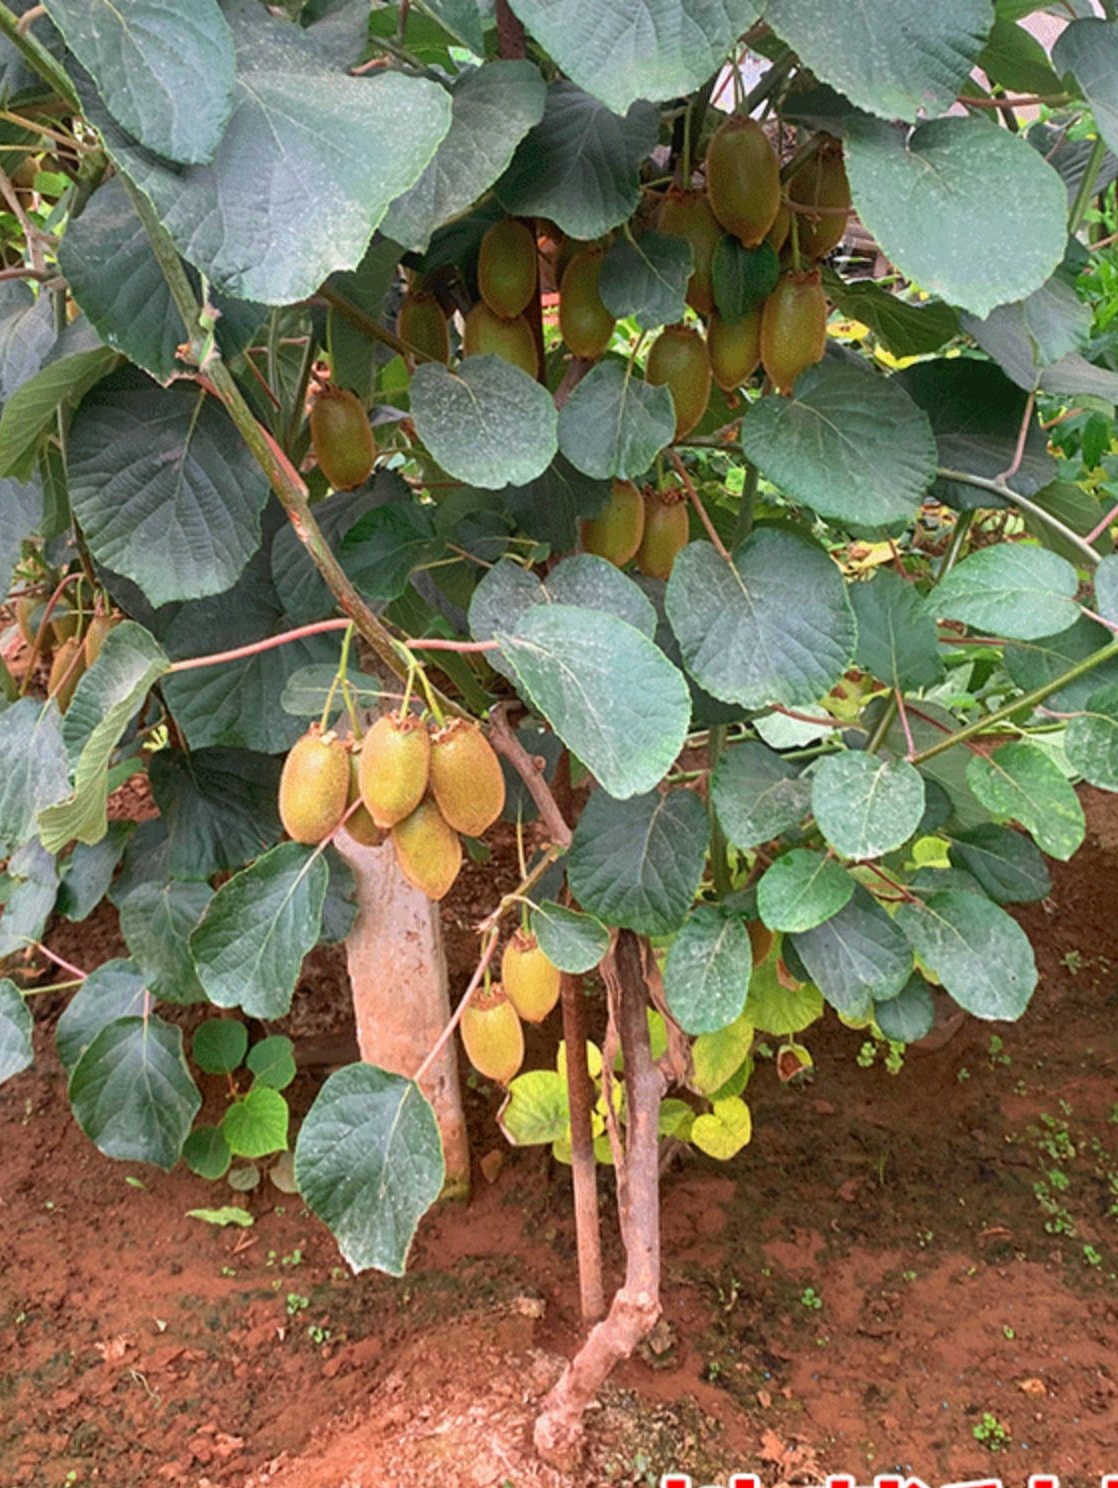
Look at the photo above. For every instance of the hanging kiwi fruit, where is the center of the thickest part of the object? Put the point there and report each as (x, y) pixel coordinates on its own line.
(615, 533)
(680, 362)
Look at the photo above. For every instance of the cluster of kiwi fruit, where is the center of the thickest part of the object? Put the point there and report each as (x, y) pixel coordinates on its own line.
(421, 783)
(72, 639)
(493, 1020)
(647, 527)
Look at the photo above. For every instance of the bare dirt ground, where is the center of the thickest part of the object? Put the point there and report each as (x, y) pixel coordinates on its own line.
(912, 1270)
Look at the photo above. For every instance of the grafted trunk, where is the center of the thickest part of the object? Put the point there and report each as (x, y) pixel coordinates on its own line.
(397, 973)
(636, 1306)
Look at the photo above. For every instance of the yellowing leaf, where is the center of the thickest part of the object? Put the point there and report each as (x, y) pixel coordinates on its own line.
(723, 1132)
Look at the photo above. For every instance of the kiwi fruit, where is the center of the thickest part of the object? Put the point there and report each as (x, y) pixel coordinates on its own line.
(793, 327)
(821, 182)
(314, 786)
(66, 672)
(422, 326)
(743, 179)
(492, 1035)
(428, 851)
(687, 214)
(342, 438)
(679, 361)
(506, 268)
(615, 533)
(666, 530)
(532, 983)
(467, 781)
(393, 767)
(360, 826)
(489, 334)
(735, 348)
(584, 322)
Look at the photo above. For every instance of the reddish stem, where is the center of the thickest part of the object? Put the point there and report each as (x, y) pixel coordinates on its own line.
(269, 643)
(696, 502)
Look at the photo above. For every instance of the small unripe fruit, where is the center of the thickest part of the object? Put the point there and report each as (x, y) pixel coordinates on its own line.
(466, 777)
(66, 672)
(666, 530)
(360, 826)
(687, 214)
(743, 179)
(427, 850)
(735, 348)
(793, 328)
(821, 182)
(680, 362)
(492, 1035)
(487, 334)
(506, 268)
(584, 322)
(343, 441)
(616, 532)
(422, 326)
(532, 983)
(314, 786)
(393, 769)
(99, 628)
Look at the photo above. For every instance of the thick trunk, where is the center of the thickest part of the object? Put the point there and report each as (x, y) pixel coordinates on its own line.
(397, 973)
(584, 1165)
(635, 1308)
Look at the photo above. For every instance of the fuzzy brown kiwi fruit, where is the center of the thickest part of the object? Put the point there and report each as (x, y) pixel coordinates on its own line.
(467, 781)
(584, 322)
(793, 328)
(422, 326)
(393, 768)
(743, 179)
(428, 850)
(615, 533)
(821, 182)
(314, 786)
(343, 440)
(679, 361)
(735, 348)
(532, 983)
(506, 268)
(488, 334)
(687, 214)
(492, 1035)
(666, 530)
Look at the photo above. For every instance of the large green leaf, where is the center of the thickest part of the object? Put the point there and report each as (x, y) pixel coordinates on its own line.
(1032, 339)
(1091, 742)
(369, 1162)
(487, 423)
(88, 871)
(757, 794)
(165, 71)
(34, 770)
(976, 415)
(218, 805)
(610, 694)
(578, 166)
(801, 890)
(21, 514)
(847, 444)
(16, 1052)
(773, 626)
(33, 408)
(896, 58)
(1088, 49)
(857, 957)
(249, 947)
(944, 203)
(115, 989)
(866, 805)
(156, 920)
(243, 219)
(572, 941)
(637, 863)
(1011, 589)
(164, 487)
(1037, 663)
(132, 1093)
(742, 277)
(981, 956)
(646, 278)
(904, 328)
(615, 424)
(26, 335)
(1019, 782)
(706, 975)
(909, 1016)
(633, 49)
(1005, 863)
(32, 891)
(107, 698)
(897, 639)
(492, 109)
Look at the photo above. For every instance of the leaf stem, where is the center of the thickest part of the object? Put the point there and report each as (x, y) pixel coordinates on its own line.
(696, 502)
